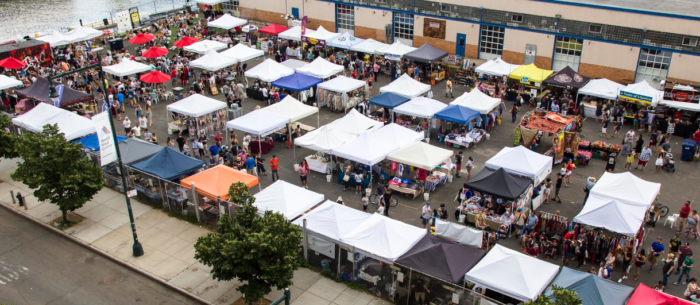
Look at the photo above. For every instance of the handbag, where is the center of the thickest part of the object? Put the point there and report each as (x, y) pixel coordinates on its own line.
(346, 178)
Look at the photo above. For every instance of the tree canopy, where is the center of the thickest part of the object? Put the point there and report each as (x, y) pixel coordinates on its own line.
(560, 296)
(9, 140)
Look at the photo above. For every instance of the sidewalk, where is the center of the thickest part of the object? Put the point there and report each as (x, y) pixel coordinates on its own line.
(169, 247)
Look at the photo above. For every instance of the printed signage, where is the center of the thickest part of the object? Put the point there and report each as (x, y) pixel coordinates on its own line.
(135, 17)
(108, 152)
(636, 97)
(525, 80)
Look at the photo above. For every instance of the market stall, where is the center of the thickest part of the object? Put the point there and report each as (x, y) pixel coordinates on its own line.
(535, 125)
(259, 124)
(287, 199)
(641, 93)
(273, 29)
(387, 101)
(459, 233)
(369, 46)
(591, 289)
(294, 63)
(428, 54)
(522, 162)
(269, 71)
(566, 78)
(383, 238)
(294, 33)
(320, 68)
(417, 113)
(441, 258)
(322, 140)
(8, 82)
(226, 22)
(530, 75)
(355, 123)
(426, 158)
(72, 126)
(477, 101)
(340, 93)
(169, 164)
(72, 99)
(644, 295)
(457, 127)
(496, 67)
(395, 51)
(344, 41)
(365, 150)
(297, 82)
(131, 151)
(126, 67)
(199, 114)
(213, 61)
(601, 88)
(241, 53)
(320, 36)
(396, 135)
(294, 110)
(78, 34)
(406, 87)
(204, 46)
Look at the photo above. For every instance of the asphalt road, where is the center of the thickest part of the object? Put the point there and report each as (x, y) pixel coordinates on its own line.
(38, 266)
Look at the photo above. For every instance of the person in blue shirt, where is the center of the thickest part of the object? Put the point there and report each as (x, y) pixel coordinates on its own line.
(120, 98)
(657, 248)
(214, 151)
(250, 165)
(131, 96)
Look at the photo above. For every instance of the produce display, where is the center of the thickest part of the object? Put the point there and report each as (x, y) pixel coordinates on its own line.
(600, 145)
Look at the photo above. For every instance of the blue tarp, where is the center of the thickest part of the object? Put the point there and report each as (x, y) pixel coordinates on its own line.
(592, 289)
(388, 100)
(457, 114)
(169, 164)
(297, 82)
(92, 143)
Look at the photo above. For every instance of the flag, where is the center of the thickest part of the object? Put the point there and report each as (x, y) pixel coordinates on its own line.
(303, 26)
(59, 90)
(104, 107)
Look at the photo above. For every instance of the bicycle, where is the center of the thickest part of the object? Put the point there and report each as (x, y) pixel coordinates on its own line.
(663, 210)
(373, 199)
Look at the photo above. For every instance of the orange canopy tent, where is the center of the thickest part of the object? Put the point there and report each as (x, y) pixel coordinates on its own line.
(558, 118)
(217, 180)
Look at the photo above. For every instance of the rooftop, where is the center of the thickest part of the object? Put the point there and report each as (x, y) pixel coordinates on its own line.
(676, 7)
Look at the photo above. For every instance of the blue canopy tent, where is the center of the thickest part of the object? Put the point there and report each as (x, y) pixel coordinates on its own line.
(297, 82)
(93, 144)
(592, 289)
(169, 164)
(457, 114)
(388, 100)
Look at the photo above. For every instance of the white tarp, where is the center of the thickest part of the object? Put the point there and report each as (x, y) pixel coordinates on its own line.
(641, 91)
(369, 46)
(355, 123)
(477, 101)
(321, 34)
(406, 86)
(204, 46)
(269, 71)
(126, 67)
(291, 108)
(602, 88)
(294, 33)
(383, 237)
(213, 61)
(341, 84)
(344, 41)
(395, 51)
(332, 220)
(78, 34)
(258, 123)
(421, 154)
(227, 22)
(521, 161)
(241, 52)
(627, 187)
(397, 135)
(73, 126)
(673, 104)
(512, 273)
(211, 2)
(496, 67)
(196, 105)
(365, 150)
(320, 68)
(293, 63)
(459, 233)
(287, 199)
(421, 107)
(612, 214)
(8, 82)
(324, 139)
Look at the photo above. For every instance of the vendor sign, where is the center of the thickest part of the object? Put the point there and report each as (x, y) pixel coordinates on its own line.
(313, 41)
(636, 97)
(525, 80)
(392, 56)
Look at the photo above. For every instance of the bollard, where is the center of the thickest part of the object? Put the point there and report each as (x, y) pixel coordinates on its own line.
(20, 200)
(12, 195)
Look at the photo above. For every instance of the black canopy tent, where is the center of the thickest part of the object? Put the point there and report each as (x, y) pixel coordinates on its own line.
(499, 183)
(39, 91)
(441, 258)
(426, 53)
(566, 78)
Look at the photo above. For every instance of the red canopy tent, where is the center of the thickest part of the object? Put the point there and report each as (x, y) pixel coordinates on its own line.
(647, 296)
(273, 29)
(185, 41)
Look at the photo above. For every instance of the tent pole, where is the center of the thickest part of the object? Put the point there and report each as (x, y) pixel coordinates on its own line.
(408, 299)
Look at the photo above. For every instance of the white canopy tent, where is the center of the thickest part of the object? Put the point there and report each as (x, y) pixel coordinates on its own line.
(344, 41)
(365, 150)
(512, 273)
(196, 105)
(293, 63)
(321, 34)
(612, 214)
(213, 61)
(671, 104)
(477, 101)
(320, 68)
(421, 107)
(227, 22)
(73, 126)
(406, 86)
(341, 84)
(294, 33)
(204, 46)
(421, 154)
(627, 187)
(395, 51)
(7, 82)
(641, 91)
(369, 46)
(258, 123)
(291, 108)
(602, 88)
(332, 220)
(324, 139)
(287, 199)
(496, 67)
(211, 2)
(384, 238)
(269, 71)
(57, 39)
(522, 162)
(126, 67)
(355, 123)
(396, 135)
(241, 52)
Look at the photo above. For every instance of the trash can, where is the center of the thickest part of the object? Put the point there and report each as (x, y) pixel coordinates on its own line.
(689, 148)
(116, 44)
(178, 91)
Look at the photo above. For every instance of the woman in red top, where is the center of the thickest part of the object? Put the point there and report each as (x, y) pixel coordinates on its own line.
(569, 169)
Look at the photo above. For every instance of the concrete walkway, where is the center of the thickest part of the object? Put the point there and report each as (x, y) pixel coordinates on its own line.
(169, 247)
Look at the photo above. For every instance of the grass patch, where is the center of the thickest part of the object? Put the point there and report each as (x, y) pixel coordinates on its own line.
(174, 30)
(73, 219)
(338, 278)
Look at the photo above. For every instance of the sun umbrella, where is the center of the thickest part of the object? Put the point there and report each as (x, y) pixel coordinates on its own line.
(185, 41)
(155, 77)
(154, 52)
(141, 38)
(12, 63)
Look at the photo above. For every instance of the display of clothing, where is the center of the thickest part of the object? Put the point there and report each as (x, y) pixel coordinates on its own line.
(434, 179)
(551, 224)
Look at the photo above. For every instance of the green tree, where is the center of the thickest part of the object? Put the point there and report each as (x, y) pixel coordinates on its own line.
(56, 170)
(560, 296)
(261, 251)
(9, 140)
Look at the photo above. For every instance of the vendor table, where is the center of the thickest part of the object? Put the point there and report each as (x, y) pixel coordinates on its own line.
(316, 165)
(302, 126)
(176, 125)
(469, 139)
(413, 191)
(589, 110)
(254, 94)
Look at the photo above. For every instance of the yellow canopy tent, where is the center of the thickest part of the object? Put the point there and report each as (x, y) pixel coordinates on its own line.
(528, 74)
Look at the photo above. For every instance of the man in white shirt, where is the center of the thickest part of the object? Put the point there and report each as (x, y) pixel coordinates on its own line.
(143, 121)
(264, 92)
(426, 212)
(127, 125)
(137, 130)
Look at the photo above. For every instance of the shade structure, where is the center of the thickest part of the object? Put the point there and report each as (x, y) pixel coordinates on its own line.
(641, 92)
(324, 139)
(213, 61)
(530, 73)
(395, 51)
(293, 63)
(291, 108)
(365, 150)
(204, 46)
(368, 46)
(297, 82)
(241, 52)
(397, 135)
(611, 214)
(344, 41)
(477, 101)
(72, 126)
(384, 238)
(40, 91)
(389, 100)
(126, 67)
(273, 29)
(185, 41)
(294, 33)
(499, 183)
(421, 154)
(458, 114)
(155, 52)
(522, 162)
(155, 77)
(627, 187)
(459, 233)
(320, 68)
(12, 63)
(91, 142)
(332, 220)
(426, 53)
(421, 107)
(9, 82)
(211, 2)
(226, 22)
(441, 258)
(196, 105)
(269, 71)
(321, 34)
(644, 295)
(215, 182)
(512, 273)
(169, 164)
(566, 78)
(603, 88)
(406, 87)
(141, 38)
(287, 199)
(136, 150)
(76, 35)
(496, 67)
(341, 84)
(590, 288)
(355, 123)
(667, 103)
(259, 123)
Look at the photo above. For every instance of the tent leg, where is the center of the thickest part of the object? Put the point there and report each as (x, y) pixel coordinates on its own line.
(318, 119)
(259, 154)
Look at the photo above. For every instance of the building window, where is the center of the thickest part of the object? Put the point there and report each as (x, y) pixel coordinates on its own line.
(690, 42)
(653, 66)
(345, 18)
(492, 38)
(445, 8)
(230, 7)
(516, 18)
(596, 29)
(403, 27)
(567, 53)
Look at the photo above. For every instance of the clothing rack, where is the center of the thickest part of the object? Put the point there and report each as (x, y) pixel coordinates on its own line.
(552, 224)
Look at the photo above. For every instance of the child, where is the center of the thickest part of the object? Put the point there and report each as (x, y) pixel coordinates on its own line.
(604, 129)
(630, 159)
(618, 126)
(659, 161)
(365, 202)
(659, 286)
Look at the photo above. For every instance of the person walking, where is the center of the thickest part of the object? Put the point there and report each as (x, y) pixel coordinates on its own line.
(274, 166)
(127, 125)
(692, 225)
(569, 169)
(260, 164)
(303, 173)
(365, 202)
(448, 88)
(639, 261)
(644, 157)
(580, 253)
(426, 212)
(655, 250)
(380, 209)
(668, 268)
(557, 187)
(250, 165)
(470, 166)
(626, 261)
(387, 202)
(683, 216)
(458, 162)
(686, 265)
(629, 160)
(514, 112)
(684, 251)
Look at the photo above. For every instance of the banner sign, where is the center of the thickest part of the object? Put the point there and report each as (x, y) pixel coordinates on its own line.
(59, 90)
(684, 96)
(135, 17)
(636, 97)
(525, 80)
(313, 41)
(123, 20)
(392, 56)
(108, 151)
(303, 26)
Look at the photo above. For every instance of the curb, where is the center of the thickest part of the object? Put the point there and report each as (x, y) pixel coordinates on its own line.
(108, 256)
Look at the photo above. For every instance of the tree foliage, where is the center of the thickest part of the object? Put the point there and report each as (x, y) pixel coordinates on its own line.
(9, 141)
(56, 170)
(261, 251)
(560, 296)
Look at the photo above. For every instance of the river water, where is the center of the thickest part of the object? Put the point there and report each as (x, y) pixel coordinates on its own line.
(26, 17)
